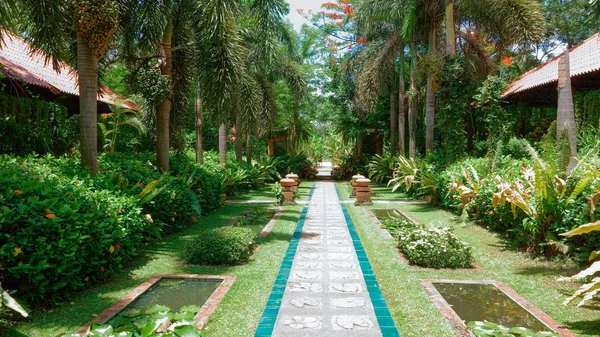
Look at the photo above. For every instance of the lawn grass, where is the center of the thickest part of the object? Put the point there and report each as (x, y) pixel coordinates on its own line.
(266, 192)
(413, 311)
(237, 315)
(378, 192)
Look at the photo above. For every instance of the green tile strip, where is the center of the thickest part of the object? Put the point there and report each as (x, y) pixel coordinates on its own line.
(269, 316)
(382, 312)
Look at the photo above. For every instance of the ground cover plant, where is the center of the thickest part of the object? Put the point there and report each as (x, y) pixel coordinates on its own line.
(156, 320)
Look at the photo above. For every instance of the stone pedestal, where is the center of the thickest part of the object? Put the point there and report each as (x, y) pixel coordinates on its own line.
(354, 179)
(295, 178)
(363, 192)
(288, 191)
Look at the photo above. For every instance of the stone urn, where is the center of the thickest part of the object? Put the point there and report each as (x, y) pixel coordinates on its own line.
(295, 178)
(292, 176)
(286, 182)
(287, 186)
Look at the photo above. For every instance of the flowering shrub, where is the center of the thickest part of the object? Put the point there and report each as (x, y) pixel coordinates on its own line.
(434, 248)
(221, 246)
(58, 234)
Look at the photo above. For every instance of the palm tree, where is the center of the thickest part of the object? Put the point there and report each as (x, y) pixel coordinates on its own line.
(507, 22)
(198, 124)
(51, 25)
(566, 113)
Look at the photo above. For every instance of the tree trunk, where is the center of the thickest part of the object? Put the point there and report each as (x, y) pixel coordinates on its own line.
(87, 68)
(412, 102)
(249, 149)
(294, 129)
(393, 116)
(401, 106)
(198, 113)
(566, 113)
(223, 144)
(450, 33)
(163, 110)
(239, 149)
(430, 98)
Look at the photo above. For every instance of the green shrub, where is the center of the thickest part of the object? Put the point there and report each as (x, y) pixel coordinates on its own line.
(58, 234)
(434, 248)
(221, 246)
(516, 148)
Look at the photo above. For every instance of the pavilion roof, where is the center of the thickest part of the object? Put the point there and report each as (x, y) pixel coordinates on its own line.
(19, 61)
(584, 58)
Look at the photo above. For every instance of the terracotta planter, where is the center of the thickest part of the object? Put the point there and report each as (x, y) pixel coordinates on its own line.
(285, 182)
(363, 182)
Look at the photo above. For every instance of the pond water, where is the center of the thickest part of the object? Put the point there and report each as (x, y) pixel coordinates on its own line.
(389, 216)
(176, 293)
(257, 219)
(486, 302)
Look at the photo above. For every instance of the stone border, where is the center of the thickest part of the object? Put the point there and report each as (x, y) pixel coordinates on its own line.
(267, 230)
(459, 326)
(201, 317)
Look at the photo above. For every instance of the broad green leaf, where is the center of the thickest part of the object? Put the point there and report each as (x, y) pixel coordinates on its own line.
(187, 331)
(100, 330)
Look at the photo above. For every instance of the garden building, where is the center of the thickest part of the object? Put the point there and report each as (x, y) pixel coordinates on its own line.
(31, 73)
(538, 86)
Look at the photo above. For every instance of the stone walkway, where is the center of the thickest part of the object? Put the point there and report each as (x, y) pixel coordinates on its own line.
(326, 286)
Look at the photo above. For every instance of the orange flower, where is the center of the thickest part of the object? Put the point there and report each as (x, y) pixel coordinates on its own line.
(118, 246)
(50, 216)
(142, 185)
(507, 60)
(18, 192)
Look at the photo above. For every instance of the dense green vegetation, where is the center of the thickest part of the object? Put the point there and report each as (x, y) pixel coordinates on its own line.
(410, 93)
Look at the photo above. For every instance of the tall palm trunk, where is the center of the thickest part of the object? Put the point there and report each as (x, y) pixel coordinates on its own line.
(401, 106)
(393, 116)
(566, 113)
(87, 67)
(198, 116)
(450, 33)
(430, 98)
(294, 130)
(223, 144)
(249, 149)
(412, 103)
(163, 110)
(239, 149)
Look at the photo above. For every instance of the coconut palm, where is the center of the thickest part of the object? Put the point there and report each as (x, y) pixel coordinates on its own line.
(506, 22)
(54, 26)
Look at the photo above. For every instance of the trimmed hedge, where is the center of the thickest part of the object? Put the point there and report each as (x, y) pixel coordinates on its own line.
(221, 246)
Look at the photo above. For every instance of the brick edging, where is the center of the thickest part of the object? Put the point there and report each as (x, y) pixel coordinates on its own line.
(201, 317)
(267, 229)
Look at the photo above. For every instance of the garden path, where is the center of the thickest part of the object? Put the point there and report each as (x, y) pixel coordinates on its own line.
(326, 286)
